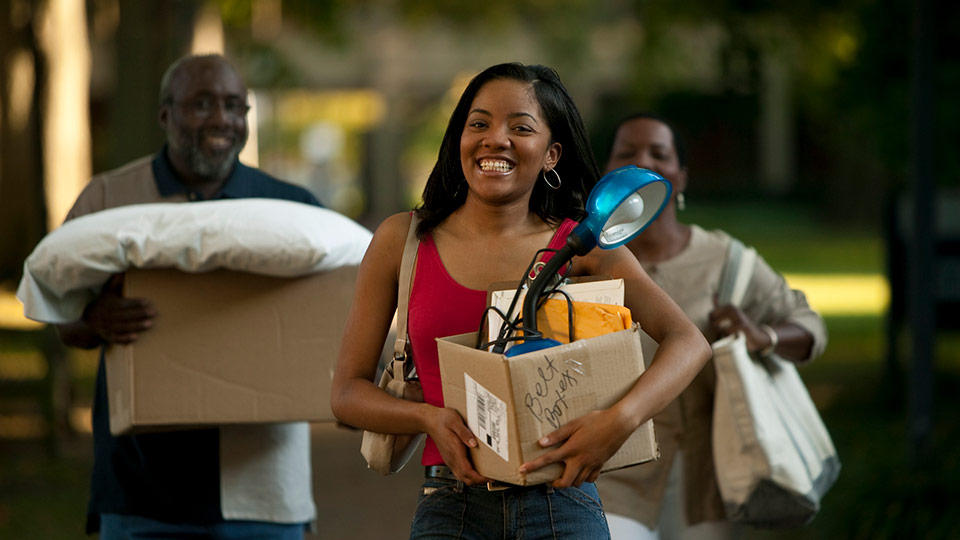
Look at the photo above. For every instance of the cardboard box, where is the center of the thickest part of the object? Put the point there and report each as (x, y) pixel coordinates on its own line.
(510, 403)
(229, 347)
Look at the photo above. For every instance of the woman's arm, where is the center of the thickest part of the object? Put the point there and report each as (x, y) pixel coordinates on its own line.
(587, 442)
(355, 399)
(788, 340)
(794, 330)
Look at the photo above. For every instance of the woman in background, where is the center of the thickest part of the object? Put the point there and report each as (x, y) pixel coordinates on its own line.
(677, 496)
(512, 175)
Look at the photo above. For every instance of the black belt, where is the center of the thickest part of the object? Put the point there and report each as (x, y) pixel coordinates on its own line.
(439, 471)
(442, 471)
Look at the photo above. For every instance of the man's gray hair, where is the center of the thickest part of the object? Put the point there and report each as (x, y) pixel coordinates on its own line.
(171, 72)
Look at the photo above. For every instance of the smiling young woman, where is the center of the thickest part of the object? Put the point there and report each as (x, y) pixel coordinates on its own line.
(511, 178)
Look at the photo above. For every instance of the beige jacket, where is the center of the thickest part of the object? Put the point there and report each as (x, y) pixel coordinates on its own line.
(691, 279)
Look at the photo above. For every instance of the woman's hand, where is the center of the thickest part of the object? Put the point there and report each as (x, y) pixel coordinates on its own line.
(728, 320)
(452, 437)
(586, 443)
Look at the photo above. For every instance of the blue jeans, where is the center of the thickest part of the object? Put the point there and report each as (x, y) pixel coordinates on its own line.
(449, 509)
(127, 527)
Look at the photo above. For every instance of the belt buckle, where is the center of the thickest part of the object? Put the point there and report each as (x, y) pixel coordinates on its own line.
(493, 485)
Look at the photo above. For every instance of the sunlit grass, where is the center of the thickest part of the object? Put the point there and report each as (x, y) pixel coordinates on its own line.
(843, 294)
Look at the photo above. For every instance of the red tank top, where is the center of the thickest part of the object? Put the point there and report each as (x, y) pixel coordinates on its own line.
(439, 307)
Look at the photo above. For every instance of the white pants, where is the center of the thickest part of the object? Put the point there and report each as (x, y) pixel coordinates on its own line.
(673, 523)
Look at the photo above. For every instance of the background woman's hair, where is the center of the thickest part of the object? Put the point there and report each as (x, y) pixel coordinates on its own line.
(678, 145)
(446, 188)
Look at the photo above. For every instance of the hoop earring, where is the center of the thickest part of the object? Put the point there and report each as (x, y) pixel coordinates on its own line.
(681, 201)
(547, 182)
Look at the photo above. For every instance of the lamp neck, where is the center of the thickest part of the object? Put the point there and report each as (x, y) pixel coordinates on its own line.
(581, 240)
(540, 283)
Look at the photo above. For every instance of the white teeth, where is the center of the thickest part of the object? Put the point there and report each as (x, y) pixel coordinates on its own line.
(496, 165)
(218, 139)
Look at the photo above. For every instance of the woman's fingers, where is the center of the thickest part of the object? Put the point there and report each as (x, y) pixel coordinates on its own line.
(554, 438)
(464, 434)
(554, 456)
(452, 439)
(558, 435)
(594, 475)
(463, 469)
(727, 319)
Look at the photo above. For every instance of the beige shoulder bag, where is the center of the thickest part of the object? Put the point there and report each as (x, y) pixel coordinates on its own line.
(387, 453)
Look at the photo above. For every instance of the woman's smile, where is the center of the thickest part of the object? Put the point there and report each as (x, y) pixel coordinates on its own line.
(493, 165)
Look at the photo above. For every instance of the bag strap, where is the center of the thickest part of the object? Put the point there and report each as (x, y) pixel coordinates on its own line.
(401, 348)
(736, 273)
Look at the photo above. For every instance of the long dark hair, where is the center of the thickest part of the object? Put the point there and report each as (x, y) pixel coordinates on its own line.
(446, 188)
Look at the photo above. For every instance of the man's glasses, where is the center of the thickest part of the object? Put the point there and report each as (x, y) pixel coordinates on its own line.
(204, 106)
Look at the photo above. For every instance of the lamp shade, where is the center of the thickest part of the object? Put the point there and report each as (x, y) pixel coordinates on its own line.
(623, 203)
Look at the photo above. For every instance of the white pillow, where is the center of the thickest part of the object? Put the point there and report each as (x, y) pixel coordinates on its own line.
(275, 237)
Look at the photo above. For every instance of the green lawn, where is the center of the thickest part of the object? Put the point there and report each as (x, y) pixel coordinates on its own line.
(793, 238)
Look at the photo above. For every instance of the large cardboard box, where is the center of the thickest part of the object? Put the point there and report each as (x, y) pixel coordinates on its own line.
(229, 347)
(511, 402)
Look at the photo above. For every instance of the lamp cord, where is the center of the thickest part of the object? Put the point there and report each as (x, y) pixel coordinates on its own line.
(511, 326)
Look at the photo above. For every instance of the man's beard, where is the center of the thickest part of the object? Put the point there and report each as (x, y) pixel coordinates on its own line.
(207, 167)
(215, 167)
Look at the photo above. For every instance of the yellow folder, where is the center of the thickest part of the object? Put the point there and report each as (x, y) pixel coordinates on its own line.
(589, 319)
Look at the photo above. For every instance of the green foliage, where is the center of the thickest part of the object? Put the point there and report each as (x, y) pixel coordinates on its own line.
(851, 65)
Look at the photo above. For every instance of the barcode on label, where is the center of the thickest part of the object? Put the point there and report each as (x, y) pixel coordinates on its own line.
(482, 410)
(487, 417)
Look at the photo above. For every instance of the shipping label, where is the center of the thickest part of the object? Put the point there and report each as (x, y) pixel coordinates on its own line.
(487, 417)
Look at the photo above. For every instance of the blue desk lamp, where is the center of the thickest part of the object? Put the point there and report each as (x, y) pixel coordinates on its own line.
(621, 205)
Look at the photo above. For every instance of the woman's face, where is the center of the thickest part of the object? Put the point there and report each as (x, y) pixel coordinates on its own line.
(648, 143)
(506, 142)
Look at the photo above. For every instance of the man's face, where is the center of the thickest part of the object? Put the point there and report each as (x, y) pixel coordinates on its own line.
(206, 122)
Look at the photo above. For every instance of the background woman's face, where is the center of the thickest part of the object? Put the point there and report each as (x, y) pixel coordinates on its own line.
(506, 141)
(648, 143)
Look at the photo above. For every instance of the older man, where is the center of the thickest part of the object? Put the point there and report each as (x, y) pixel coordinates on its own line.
(229, 482)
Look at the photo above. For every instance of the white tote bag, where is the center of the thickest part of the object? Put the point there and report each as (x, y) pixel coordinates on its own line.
(773, 455)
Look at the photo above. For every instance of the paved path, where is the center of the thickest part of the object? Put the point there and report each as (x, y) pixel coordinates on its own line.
(353, 502)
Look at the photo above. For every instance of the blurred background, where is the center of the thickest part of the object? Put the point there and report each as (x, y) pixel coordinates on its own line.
(821, 132)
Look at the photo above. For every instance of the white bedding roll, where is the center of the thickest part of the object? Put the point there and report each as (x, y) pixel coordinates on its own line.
(266, 236)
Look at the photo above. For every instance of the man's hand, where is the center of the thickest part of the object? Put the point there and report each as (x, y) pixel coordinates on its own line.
(116, 319)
